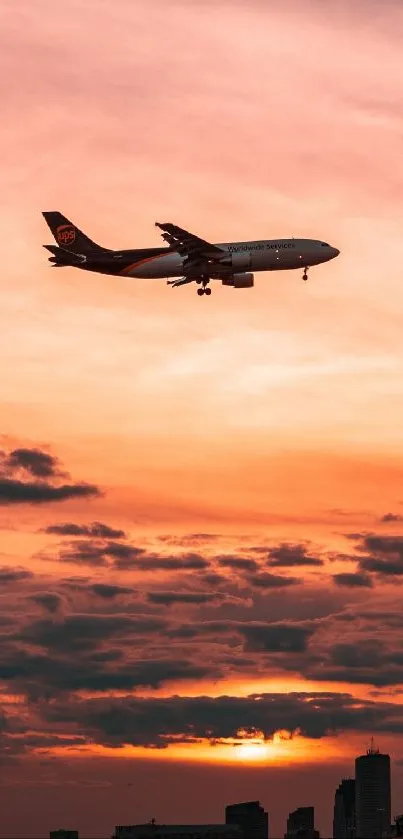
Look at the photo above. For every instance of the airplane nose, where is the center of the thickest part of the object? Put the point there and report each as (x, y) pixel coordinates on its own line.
(335, 251)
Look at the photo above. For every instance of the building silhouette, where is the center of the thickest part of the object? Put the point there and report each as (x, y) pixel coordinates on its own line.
(372, 794)
(344, 810)
(396, 829)
(251, 818)
(301, 823)
(152, 830)
(63, 834)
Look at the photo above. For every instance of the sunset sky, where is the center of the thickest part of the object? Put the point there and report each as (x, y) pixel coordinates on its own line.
(201, 501)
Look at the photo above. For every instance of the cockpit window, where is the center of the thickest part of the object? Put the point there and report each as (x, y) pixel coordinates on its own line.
(325, 245)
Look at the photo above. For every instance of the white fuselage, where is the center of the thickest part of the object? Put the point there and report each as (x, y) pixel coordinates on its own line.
(264, 255)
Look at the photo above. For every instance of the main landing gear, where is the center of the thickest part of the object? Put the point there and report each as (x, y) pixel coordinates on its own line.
(305, 274)
(203, 281)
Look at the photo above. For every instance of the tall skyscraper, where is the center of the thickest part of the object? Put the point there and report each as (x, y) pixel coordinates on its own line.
(344, 810)
(301, 823)
(372, 794)
(251, 817)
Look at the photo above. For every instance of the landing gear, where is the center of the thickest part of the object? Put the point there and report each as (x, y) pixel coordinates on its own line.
(204, 281)
(305, 274)
(201, 281)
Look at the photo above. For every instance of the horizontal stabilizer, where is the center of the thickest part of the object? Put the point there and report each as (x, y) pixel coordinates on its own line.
(60, 256)
(53, 249)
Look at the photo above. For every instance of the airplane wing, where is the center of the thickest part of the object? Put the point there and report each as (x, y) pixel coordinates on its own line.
(197, 252)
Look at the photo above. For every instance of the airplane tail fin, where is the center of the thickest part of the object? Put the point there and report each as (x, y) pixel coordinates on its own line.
(69, 237)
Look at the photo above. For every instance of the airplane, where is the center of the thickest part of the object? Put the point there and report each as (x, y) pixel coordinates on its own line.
(187, 258)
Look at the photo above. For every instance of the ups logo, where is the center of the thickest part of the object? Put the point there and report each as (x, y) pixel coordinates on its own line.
(65, 234)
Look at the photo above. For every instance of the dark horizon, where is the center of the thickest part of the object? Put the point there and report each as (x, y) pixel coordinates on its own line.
(95, 810)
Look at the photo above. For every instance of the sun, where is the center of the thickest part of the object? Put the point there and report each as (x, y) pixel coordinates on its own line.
(254, 752)
(256, 749)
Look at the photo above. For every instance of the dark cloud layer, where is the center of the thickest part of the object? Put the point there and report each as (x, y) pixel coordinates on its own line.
(370, 652)
(49, 601)
(387, 545)
(169, 598)
(100, 553)
(189, 539)
(38, 463)
(286, 555)
(159, 722)
(80, 632)
(39, 676)
(18, 492)
(384, 554)
(266, 580)
(137, 619)
(14, 575)
(353, 580)
(96, 529)
(237, 562)
(109, 591)
(259, 637)
(281, 637)
(382, 566)
(19, 467)
(191, 562)
(124, 556)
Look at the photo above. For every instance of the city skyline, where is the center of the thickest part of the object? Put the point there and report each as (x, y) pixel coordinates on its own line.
(353, 814)
(201, 504)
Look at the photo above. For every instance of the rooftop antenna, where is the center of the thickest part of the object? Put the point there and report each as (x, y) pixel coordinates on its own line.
(372, 750)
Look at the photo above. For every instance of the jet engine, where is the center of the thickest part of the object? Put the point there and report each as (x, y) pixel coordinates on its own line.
(239, 281)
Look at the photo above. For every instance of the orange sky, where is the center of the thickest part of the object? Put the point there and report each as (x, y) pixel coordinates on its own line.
(214, 430)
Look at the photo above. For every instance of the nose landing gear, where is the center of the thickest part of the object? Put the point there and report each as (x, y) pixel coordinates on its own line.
(305, 274)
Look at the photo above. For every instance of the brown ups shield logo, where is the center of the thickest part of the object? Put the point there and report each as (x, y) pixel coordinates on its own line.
(65, 234)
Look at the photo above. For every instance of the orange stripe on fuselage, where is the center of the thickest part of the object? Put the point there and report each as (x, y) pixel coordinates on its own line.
(140, 262)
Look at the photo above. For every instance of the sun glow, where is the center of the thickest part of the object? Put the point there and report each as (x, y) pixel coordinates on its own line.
(256, 751)
(246, 750)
